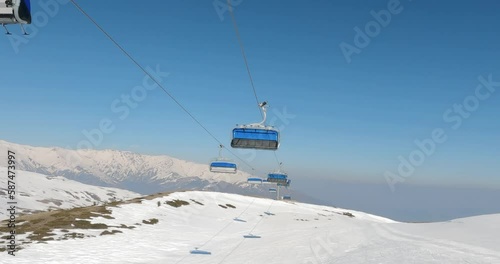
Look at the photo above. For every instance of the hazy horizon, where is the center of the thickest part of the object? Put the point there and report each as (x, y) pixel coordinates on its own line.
(410, 203)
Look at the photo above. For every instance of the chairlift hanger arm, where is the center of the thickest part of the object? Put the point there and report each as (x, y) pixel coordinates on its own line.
(263, 107)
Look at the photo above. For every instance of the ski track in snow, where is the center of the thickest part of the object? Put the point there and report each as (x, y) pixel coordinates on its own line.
(392, 233)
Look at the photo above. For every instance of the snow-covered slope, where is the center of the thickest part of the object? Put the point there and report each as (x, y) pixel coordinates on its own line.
(37, 192)
(126, 170)
(155, 232)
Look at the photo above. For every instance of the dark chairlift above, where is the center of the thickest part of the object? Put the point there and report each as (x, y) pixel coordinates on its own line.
(15, 12)
(256, 136)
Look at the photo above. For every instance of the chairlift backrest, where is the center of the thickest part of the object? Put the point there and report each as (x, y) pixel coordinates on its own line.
(255, 138)
(256, 180)
(223, 167)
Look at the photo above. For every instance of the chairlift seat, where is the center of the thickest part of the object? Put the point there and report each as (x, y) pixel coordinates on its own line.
(277, 178)
(222, 166)
(17, 13)
(265, 138)
(254, 180)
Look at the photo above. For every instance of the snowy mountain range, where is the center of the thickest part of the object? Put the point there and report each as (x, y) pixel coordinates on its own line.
(139, 173)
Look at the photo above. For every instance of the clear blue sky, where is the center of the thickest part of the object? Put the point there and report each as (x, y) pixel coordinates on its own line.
(351, 120)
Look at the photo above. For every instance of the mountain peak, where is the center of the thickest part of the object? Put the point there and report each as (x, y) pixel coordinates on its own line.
(123, 169)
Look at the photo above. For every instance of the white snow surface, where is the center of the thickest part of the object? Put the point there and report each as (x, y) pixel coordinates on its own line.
(38, 192)
(290, 233)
